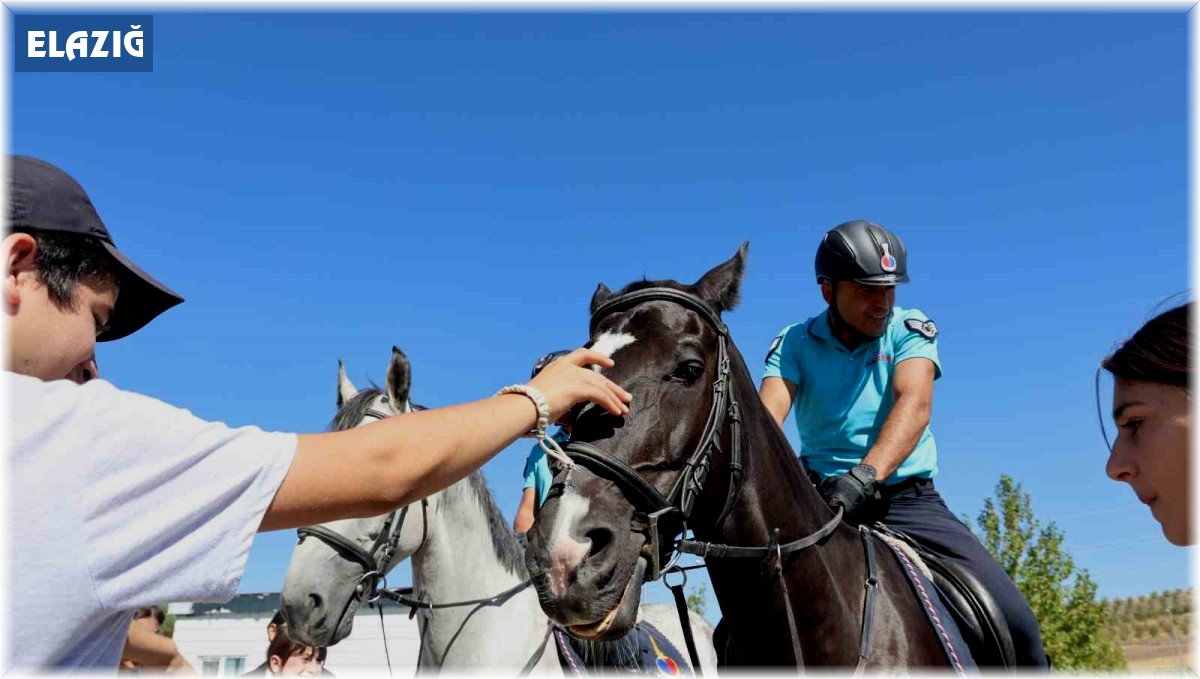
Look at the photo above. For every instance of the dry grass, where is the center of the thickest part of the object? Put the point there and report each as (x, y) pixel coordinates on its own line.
(1160, 656)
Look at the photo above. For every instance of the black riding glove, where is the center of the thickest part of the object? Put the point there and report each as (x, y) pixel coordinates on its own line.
(850, 491)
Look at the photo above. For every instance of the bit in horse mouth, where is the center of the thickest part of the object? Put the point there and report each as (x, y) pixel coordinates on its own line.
(598, 630)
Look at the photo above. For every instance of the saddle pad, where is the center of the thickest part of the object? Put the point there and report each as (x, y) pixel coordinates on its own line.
(655, 655)
(897, 543)
(947, 631)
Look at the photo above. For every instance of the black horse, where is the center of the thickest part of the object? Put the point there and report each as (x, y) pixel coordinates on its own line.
(700, 450)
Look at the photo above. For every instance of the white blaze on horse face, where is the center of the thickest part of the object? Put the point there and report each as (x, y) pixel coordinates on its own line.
(566, 553)
(610, 343)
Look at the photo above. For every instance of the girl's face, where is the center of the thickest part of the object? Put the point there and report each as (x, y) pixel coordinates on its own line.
(1151, 451)
(305, 663)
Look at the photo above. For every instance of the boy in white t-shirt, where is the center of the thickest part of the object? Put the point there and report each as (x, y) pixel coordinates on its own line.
(121, 501)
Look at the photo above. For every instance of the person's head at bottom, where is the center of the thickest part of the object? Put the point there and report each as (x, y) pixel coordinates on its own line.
(149, 617)
(292, 659)
(1151, 403)
(274, 625)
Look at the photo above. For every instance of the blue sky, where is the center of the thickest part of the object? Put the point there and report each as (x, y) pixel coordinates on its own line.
(323, 187)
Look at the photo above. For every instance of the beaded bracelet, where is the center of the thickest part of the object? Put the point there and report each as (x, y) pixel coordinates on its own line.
(539, 401)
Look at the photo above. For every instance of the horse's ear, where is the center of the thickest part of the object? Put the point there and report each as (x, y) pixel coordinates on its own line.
(721, 287)
(399, 379)
(346, 390)
(600, 296)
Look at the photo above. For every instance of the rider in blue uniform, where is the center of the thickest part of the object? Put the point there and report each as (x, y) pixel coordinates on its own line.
(538, 476)
(860, 375)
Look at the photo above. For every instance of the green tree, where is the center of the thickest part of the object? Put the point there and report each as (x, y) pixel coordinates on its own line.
(1062, 597)
(695, 600)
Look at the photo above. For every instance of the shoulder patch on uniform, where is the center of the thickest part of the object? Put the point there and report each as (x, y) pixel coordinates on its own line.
(774, 345)
(926, 329)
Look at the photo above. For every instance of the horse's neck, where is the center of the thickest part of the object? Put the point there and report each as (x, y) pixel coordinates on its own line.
(458, 562)
(775, 494)
(458, 558)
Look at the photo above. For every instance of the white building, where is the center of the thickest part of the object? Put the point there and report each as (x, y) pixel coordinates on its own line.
(225, 640)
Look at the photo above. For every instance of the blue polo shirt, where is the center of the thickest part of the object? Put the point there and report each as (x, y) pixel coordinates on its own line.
(843, 397)
(537, 468)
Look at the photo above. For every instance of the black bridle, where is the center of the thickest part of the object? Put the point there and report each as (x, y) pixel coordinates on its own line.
(657, 517)
(378, 559)
(660, 519)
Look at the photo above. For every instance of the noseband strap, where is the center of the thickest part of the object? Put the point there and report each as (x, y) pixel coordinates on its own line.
(340, 542)
(638, 490)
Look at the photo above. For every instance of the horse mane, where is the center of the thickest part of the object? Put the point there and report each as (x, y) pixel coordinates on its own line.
(353, 411)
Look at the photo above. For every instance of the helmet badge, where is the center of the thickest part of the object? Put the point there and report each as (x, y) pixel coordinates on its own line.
(888, 262)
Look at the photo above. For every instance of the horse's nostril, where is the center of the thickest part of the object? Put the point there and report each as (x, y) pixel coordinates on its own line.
(599, 539)
(315, 600)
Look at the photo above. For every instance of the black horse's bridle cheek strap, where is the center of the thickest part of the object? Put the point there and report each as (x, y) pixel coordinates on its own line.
(691, 482)
(655, 525)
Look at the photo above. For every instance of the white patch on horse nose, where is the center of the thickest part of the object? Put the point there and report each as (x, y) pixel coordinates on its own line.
(566, 553)
(610, 343)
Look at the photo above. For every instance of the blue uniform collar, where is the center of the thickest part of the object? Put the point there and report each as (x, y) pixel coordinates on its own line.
(818, 327)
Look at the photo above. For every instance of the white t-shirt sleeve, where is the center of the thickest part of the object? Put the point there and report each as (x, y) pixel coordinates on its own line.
(169, 503)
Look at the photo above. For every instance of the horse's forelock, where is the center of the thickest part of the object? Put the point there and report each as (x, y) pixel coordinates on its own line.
(353, 411)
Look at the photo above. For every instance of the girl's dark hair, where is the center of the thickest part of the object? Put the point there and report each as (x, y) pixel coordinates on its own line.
(284, 647)
(148, 611)
(1158, 352)
(64, 259)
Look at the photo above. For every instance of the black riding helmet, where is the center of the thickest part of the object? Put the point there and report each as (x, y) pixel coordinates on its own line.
(863, 252)
(547, 360)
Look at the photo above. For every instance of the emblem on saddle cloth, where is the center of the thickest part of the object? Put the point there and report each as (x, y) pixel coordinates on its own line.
(666, 665)
(926, 329)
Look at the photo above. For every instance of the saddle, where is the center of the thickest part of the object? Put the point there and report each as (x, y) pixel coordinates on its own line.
(979, 620)
(975, 612)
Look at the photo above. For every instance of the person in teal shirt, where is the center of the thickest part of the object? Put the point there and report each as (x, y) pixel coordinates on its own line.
(860, 377)
(538, 476)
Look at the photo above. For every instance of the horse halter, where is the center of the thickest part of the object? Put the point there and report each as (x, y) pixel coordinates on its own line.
(657, 517)
(378, 559)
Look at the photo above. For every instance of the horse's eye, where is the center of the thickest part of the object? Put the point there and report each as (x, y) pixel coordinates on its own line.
(688, 371)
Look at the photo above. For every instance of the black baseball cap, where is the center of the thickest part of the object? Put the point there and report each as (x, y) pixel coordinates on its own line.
(45, 198)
